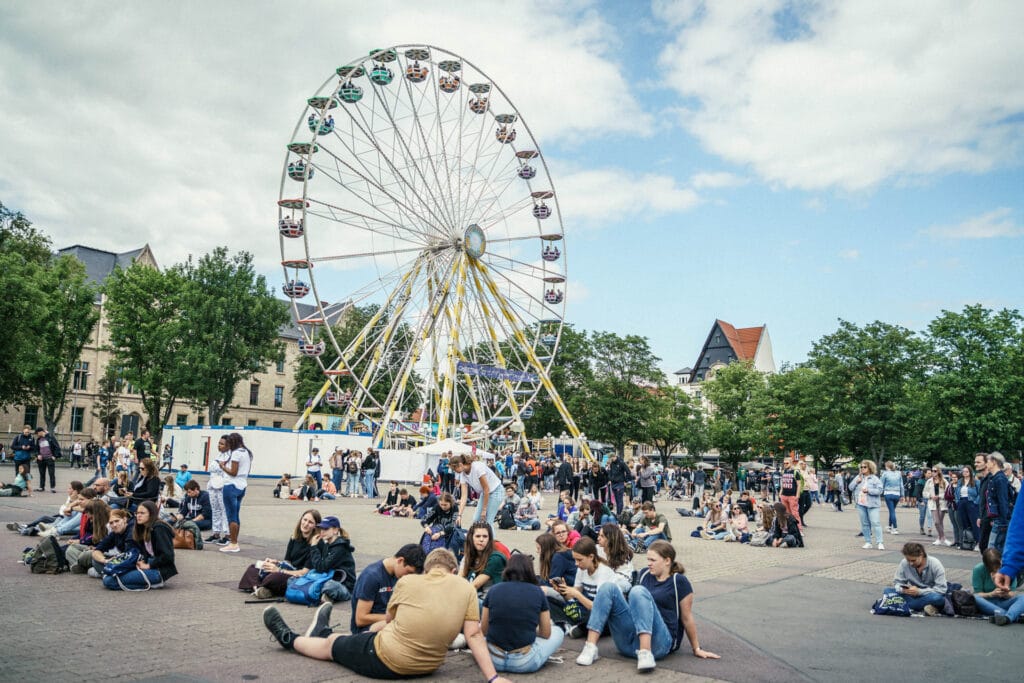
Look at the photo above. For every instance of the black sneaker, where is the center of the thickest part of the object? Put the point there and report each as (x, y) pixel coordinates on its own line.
(999, 619)
(222, 541)
(275, 623)
(321, 626)
(13, 526)
(212, 539)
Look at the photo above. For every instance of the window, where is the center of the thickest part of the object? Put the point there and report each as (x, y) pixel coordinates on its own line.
(31, 416)
(80, 381)
(251, 423)
(278, 396)
(225, 422)
(718, 339)
(254, 393)
(77, 415)
(280, 366)
(200, 421)
(182, 419)
(277, 424)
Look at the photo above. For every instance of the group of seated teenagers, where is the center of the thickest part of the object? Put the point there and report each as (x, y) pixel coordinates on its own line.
(747, 520)
(641, 523)
(310, 489)
(921, 580)
(409, 609)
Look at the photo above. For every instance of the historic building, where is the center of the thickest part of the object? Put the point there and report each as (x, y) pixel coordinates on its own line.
(265, 400)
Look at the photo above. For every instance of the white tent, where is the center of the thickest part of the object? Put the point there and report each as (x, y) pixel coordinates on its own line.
(440, 447)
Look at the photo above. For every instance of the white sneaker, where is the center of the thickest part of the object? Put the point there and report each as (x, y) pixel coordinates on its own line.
(589, 655)
(93, 573)
(948, 543)
(459, 643)
(645, 660)
(867, 546)
(936, 542)
(895, 532)
(881, 547)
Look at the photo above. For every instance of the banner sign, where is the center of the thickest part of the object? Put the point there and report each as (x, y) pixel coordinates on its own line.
(492, 372)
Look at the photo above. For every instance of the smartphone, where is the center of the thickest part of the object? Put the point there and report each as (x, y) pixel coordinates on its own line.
(558, 581)
(260, 564)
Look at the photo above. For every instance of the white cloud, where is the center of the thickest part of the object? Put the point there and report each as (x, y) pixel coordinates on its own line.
(716, 180)
(166, 122)
(850, 254)
(848, 94)
(605, 195)
(996, 223)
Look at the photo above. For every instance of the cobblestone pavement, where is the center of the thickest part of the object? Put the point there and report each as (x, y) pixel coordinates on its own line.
(199, 628)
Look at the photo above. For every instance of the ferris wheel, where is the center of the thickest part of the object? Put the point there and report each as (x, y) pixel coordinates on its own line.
(413, 186)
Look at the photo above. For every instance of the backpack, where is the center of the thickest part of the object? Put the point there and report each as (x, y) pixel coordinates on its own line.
(964, 603)
(46, 558)
(967, 541)
(352, 467)
(192, 528)
(891, 604)
(506, 518)
(306, 589)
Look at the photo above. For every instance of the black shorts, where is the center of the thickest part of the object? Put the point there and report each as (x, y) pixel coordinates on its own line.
(357, 653)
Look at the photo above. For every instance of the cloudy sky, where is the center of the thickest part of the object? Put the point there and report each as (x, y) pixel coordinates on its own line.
(763, 162)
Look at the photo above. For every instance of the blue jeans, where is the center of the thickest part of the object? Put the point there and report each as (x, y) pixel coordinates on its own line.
(917, 604)
(869, 522)
(627, 620)
(968, 513)
(232, 502)
(528, 524)
(646, 541)
(368, 482)
(891, 501)
(1012, 607)
(525, 663)
(336, 476)
(494, 503)
(69, 525)
(998, 535)
(134, 580)
(617, 491)
(318, 476)
(352, 487)
(336, 591)
(923, 515)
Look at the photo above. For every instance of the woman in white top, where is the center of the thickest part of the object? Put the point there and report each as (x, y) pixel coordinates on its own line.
(591, 573)
(614, 549)
(215, 487)
(236, 468)
(469, 472)
(935, 493)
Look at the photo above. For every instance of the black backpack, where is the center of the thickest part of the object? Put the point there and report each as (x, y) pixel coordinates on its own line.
(506, 517)
(46, 558)
(352, 466)
(967, 541)
(964, 603)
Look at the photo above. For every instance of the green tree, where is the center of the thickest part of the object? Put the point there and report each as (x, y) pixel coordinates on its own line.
(107, 407)
(621, 396)
(571, 375)
(870, 372)
(799, 412)
(975, 381)
(677, 422)
(148, 335)
(59, 330)
(233, 323)
(734, 393)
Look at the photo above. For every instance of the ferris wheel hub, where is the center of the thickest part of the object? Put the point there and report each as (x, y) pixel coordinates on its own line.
(474, 242)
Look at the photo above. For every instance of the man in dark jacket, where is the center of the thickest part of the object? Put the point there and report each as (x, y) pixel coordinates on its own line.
(995, 505)
(22, 449)
(195, 507)
(563, 477)
(618, 474)
(47, 452)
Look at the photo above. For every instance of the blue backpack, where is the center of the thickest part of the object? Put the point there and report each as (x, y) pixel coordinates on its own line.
(306, 589)
(891, 604)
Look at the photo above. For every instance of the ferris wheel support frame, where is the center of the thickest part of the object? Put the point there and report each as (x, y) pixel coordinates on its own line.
(532, 358)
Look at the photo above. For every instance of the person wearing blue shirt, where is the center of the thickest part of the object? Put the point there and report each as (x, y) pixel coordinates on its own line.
(375, 584)
(183, 476)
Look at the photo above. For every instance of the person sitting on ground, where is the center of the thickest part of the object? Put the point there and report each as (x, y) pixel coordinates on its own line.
(785, 529)
(424, 615)
(566, 536)
(155, 542)
(650, 624)
(1000, 605)
(63, 512)
(739, 525)
(427, 502)
(69, 524)
(147, 486)
(283, 486)
(526, 515)
(18, 486)
(921, 580)
(332, 552)
(636, 515)
(653, 528)
(195, 507)
(309, 489)
(614, 548)
(183, 476)
(375, 585)
(171, 494)
(715, 523)
(591, 573)
(555, 563)
(746, 505)
(535, 497)
(328, 492)
(511, 496)
(390, 501)
(482, 564)
(269, 577)
(405, 507)
(120, 529)
(516, 620)
(566, 506)
(79, 554)
(440, 521)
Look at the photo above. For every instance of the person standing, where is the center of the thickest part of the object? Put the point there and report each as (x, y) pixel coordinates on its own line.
(967, 503)
(314, 465)
(369, 469)
(236, 465)
(995, 504)
(618, 474)
(22, 449)
(840, 491)
(473, 473)
(337, 464)
(143, 447)
(645, 478)
(935, 494)
(47, 452)
(867, 494)
(790, 489)
(892, 491)
(215, 487)
(77, 450)
(352, 462)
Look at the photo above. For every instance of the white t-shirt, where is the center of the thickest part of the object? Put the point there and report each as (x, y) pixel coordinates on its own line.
(124, 456)
(314, 462)
(217, 475)
(244, 460)
(477, 470)
(588, 583)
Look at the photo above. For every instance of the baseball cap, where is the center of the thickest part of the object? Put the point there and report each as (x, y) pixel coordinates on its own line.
(329, 522)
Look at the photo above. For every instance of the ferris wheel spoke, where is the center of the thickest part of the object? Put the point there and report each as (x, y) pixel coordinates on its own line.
(344, 216)
(512, 282)
(365, 254)
(478, 135)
